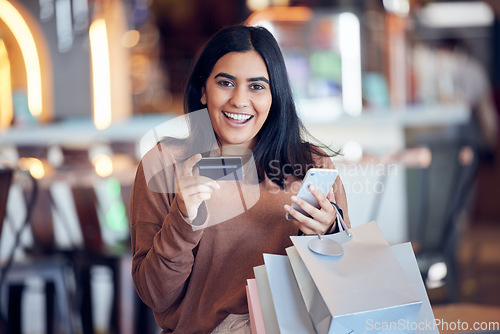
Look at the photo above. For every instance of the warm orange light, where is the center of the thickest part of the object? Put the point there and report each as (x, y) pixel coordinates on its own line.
(34, 166)
(19, 28)
(6, 109)
(255, 5)
(101, 77)
(130, 38)
(103, 165)
(273, 14)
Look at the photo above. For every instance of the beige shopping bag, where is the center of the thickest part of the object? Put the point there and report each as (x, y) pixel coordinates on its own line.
(365, 290)
(282, 306)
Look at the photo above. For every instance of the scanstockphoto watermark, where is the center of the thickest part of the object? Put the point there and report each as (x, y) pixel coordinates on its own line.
(367, 178)
(441, 325)
(402, 325)
(463, 326)
(356, 178)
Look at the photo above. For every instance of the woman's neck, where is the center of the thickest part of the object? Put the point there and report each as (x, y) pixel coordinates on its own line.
(234, 150)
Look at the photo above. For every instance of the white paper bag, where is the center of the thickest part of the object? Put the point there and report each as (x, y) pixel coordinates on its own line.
(315, 305)
(291, 312)
(426, 323)
(366, 285)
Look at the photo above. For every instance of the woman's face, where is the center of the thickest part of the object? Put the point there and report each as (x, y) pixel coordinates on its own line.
(238, 97)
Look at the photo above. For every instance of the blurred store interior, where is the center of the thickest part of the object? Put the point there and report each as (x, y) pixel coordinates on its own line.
(407, 90)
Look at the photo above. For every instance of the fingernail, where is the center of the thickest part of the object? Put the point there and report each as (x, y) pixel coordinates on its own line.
(217, 186)
(287, 207)
(294, 198)
(311, 187)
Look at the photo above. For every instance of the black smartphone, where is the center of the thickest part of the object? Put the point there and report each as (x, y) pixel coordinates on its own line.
(221, 168)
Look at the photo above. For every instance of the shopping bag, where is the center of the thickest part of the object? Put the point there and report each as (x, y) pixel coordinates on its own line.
(313, 301)
(282, 306)
(254, 308)
(291, 313)
(266, 300)
(366, 285)
(426, 323)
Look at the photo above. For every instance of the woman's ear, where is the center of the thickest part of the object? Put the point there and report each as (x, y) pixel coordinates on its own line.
(203, 98)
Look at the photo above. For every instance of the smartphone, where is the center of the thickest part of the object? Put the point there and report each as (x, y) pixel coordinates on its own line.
(321, 179)
(221, 168)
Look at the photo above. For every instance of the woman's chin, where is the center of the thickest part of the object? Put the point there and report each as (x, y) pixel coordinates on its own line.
(238, 143)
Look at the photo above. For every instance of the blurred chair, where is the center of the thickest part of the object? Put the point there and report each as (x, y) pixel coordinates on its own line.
(436, 197)
(5, 182)
(96, 252)
(74, 262)
(54, 269)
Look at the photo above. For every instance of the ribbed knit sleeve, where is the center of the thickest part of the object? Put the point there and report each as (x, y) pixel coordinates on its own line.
(162, 241)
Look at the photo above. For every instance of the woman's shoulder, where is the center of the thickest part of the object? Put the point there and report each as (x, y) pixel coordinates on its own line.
(158, 164)
(168, 150)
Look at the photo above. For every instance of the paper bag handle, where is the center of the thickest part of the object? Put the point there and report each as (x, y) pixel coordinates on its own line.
(340, 220)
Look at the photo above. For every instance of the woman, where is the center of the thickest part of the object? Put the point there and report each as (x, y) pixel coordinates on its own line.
(189, 270)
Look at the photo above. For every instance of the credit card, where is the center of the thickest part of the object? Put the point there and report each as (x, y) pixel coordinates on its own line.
(221, 168)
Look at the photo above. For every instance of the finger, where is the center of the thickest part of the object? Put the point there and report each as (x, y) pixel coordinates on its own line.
(308, 208)
(190, 186)
(324, 203)
(207, 181)
(331, 195)
(197, 199)
(304, 223)
(187, 166)
(325, 215)
(195, 189)
(194, 180)
(196, 170)
(299, 217)
(193, 203)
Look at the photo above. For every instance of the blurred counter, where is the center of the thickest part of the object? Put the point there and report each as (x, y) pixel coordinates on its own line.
(81, 131)
(383, 130)
(376, 129)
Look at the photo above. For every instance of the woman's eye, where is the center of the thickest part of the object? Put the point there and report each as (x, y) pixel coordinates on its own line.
(256, 87)
(226, 83)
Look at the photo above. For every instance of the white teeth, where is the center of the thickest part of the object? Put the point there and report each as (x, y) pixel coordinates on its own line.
(239, 117)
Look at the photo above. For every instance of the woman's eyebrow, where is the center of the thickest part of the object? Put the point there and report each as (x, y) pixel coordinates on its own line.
(225, 75)
(259, 79)
(232, 77)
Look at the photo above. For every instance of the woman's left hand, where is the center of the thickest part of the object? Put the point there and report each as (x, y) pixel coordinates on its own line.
(321, 219)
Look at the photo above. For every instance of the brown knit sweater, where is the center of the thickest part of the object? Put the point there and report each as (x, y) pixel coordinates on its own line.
(193, 278)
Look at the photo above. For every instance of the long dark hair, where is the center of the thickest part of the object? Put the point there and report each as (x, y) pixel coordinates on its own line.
(280, 149)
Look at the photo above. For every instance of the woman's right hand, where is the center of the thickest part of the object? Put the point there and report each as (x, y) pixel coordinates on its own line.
(193, 189)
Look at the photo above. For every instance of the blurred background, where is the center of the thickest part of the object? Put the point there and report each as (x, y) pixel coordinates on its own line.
(406, 90)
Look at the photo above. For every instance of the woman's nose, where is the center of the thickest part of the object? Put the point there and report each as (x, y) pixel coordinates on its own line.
(240, 98)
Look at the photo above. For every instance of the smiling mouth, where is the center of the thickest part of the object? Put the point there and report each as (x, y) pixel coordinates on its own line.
(240, 118)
